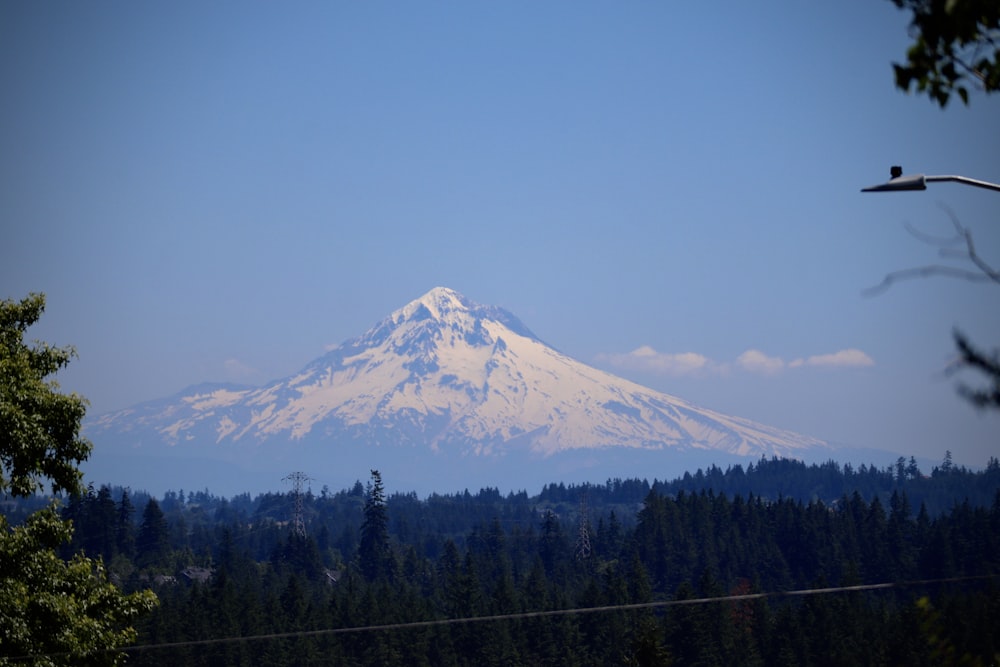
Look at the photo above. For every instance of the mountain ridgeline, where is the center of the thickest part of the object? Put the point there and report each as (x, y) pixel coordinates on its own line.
(442, 389)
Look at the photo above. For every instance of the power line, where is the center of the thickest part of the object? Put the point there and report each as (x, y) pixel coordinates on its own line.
(412, 625)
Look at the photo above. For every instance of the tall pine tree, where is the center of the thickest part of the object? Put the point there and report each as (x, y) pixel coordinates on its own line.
(374, 553)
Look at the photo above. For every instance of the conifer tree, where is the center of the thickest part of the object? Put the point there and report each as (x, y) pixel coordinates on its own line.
(124, 532)
(153, 542)
(374, 553)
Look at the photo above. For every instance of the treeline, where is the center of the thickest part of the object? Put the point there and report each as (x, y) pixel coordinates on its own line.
(239, 567)
(116, 521)
(945, 486)
(311, 579)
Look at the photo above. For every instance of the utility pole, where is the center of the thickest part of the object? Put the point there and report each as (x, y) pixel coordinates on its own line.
(297, 479)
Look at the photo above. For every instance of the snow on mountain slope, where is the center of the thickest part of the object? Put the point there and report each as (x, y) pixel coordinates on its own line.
(450, 375)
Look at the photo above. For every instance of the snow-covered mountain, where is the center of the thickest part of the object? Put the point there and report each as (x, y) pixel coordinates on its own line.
(443, 379)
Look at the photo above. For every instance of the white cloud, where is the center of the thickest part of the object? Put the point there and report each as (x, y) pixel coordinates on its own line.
(647, 359)
(756, 361)
(850, 358)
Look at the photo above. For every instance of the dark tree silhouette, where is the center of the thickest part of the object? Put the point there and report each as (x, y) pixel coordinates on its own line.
(955, 42)
(374, 554)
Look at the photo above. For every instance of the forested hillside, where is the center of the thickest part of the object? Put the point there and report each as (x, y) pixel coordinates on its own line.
(365, 577)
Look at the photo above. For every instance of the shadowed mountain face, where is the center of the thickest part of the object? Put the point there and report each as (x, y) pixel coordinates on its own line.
(440, 380)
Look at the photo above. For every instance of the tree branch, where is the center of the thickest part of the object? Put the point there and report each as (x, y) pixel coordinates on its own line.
(983, 273)
(925, 272)
(970, 248)
(989, 365)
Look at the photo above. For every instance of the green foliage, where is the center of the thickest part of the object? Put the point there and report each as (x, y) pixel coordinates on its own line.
(39, 427)
(955, 41)
(52, 611)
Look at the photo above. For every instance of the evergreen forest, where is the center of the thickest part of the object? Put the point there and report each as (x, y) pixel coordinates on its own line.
(778, 563)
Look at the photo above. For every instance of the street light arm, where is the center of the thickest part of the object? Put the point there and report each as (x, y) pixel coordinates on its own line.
(900, 183)
(966, 180)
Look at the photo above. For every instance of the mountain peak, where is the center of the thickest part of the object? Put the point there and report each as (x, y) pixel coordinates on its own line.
(445, 374)
(447, 306)
(436, 304)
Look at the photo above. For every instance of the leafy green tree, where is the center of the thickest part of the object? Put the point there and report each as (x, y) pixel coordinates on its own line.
(955, 41)
(52, 612)
(40, 427)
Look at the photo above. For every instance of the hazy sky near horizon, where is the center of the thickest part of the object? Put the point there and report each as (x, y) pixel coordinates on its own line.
(219, 191)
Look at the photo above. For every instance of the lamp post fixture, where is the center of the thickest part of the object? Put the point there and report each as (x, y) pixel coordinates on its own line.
(900, 183)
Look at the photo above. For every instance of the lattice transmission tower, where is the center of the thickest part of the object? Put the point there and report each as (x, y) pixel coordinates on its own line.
(298, 479)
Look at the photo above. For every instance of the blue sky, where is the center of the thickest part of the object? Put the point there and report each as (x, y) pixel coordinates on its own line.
(218, 191)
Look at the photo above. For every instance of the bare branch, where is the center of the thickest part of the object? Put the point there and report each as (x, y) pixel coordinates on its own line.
(963, 236)
(925, 272)
(966, 234)
(923, 237)
(960, 247)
